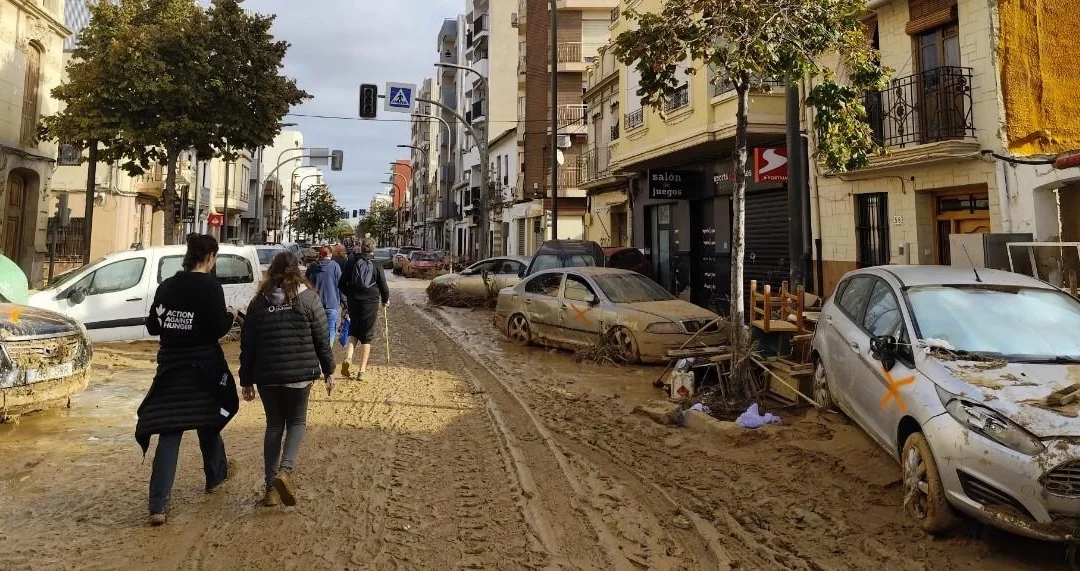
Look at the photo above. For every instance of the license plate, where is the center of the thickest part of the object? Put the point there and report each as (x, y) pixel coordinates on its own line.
(49, 373)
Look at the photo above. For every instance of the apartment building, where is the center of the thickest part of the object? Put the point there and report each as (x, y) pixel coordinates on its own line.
(424, 140)
(607, 214)
(280, 163)
(503, 153)
(583, 27)
(400, 179)
(678, 160)
(979, 104)
(230, 194)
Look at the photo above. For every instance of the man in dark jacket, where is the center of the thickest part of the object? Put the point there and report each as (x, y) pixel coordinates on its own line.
(325, 275)
(364, 286)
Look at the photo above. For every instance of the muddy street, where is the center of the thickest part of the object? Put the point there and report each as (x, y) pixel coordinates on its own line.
(467, 452)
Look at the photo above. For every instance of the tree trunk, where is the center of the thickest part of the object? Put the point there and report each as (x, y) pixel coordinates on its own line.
(738, 215)
(88, 209)
(168, 197)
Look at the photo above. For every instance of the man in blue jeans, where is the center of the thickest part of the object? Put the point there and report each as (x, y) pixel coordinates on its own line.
(325, 274)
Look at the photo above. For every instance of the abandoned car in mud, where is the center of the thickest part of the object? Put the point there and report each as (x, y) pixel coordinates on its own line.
(44, 356)
(969, 379)
(583, 306)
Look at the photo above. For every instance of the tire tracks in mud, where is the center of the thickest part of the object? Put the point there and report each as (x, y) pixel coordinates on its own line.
(623, 508)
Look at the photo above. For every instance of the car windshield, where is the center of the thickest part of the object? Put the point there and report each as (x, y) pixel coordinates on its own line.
(552, 261)
(66, 277)
(266, 255)
(631, 288)
(1019, 323)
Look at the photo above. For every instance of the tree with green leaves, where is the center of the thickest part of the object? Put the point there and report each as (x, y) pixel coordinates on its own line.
(342, 231)
(317, 213)
(378, 222)
(154, 78)
(746, 41)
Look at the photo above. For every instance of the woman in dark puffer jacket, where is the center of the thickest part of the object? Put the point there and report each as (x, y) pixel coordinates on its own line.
(193, 388)
(284, 349)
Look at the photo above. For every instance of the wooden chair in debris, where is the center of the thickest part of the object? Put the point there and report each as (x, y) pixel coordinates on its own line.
(788, 305)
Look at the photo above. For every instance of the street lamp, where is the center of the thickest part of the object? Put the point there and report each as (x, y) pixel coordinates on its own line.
(482, 143)
(554, 120)
(444, 200)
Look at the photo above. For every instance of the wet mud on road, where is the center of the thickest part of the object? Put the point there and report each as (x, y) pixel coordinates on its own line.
(467, 452)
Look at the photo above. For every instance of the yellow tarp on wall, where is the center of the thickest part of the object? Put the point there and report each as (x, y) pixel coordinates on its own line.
(1040, 74)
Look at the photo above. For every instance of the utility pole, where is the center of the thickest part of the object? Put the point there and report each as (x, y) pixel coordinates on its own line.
(554, 120)
(88, 209)
(225, 208)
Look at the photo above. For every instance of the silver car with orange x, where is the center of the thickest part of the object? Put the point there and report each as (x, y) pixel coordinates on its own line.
(971, 380)
(579, 307)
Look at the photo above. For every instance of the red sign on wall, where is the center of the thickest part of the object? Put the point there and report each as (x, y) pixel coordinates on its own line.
(770, 164)
(214, 219)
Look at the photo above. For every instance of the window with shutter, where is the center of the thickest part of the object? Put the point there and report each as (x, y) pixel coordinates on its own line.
(31, 86)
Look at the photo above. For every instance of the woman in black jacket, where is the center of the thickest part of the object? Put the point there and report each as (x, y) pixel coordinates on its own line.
(193, 388)
(364, 287)
(284, 349)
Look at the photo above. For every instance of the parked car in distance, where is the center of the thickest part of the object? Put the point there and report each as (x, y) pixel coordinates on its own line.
(308, 255)
(402, 256)
(566, 254)
(421, 263)
(111, 296)
(964, 379)
(501, 272)
(385, 257)
(44, 356)
(266, 254)
(628, 259)
(296, 249)
(579, 307)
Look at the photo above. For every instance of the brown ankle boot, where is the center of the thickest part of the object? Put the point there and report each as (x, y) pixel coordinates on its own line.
(271, 498)
(284, 485)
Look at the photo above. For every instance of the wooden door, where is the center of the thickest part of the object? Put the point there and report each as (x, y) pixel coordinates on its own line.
(13, 217)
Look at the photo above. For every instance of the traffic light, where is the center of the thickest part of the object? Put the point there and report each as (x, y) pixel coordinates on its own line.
(63, 213)
(369, 100)
(336, 157)
(355, 214)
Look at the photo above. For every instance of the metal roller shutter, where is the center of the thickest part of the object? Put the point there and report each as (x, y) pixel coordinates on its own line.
(767, 253)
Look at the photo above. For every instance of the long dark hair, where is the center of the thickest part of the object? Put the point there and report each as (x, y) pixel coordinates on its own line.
(199, 248)
(284, 273)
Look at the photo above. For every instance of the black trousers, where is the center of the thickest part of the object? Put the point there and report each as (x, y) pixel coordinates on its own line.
(215, 464)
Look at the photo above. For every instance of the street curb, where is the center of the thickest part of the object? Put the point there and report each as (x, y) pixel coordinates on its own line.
(700, 422)
(659, 411)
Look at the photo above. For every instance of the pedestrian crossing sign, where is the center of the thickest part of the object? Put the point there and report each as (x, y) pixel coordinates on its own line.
(399, 97)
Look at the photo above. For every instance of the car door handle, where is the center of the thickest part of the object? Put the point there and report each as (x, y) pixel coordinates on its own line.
(854, 346)
(564, 306)
(134, 299)
(829, 319)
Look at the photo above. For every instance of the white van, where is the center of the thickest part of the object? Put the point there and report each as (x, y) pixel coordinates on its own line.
(112, 295)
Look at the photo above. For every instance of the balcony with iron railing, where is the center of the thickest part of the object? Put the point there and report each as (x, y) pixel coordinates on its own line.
(615, 131)
(572, 117)
(679, 99)
(927, 107)
(634, 119)
(595, 164)
(570, 175)
(614, 14)
(478, 111)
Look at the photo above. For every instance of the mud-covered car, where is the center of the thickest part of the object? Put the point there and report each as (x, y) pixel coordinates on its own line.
(968, 380)
(44, 356)
(580, 307)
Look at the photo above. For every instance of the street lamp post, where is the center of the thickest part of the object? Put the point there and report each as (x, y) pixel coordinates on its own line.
(281, 162)
(444, 200)
(554, 120)
(482, 143)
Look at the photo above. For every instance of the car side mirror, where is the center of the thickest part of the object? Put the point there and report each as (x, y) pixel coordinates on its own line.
(77, 296)
(593, 300)
(885, 349)
(521, 273)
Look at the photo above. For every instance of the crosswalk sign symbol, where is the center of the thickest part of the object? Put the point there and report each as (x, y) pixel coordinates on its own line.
(399, 97)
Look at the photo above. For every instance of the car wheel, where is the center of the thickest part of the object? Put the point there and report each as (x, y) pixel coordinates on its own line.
(924, 495)
(518, 329)
(821, 393)
(626, 347)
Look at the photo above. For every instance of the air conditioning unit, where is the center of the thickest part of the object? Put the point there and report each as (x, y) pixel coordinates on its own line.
(513, 20)
(564, 141)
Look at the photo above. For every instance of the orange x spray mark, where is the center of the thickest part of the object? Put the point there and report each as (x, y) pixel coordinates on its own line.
(15, 313)
(894, 391)
(580, 313)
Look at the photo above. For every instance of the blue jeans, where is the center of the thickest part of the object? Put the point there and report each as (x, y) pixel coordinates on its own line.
(331, 322)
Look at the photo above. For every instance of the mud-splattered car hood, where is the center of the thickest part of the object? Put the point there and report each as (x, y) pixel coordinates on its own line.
(671, 309)
(1016, 390)
(25, 322)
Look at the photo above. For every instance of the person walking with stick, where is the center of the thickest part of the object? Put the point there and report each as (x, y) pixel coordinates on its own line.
(365, 288)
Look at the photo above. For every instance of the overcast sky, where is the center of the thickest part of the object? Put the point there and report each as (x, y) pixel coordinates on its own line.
(336, 46)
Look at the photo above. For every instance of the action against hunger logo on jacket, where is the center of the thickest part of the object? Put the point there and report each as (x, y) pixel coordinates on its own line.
(174, 319)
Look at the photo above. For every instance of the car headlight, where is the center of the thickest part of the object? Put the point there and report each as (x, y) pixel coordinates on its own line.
(663, 327)
(991, 424)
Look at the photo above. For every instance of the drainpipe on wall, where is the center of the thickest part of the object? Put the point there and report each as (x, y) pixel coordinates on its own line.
(796, 186)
